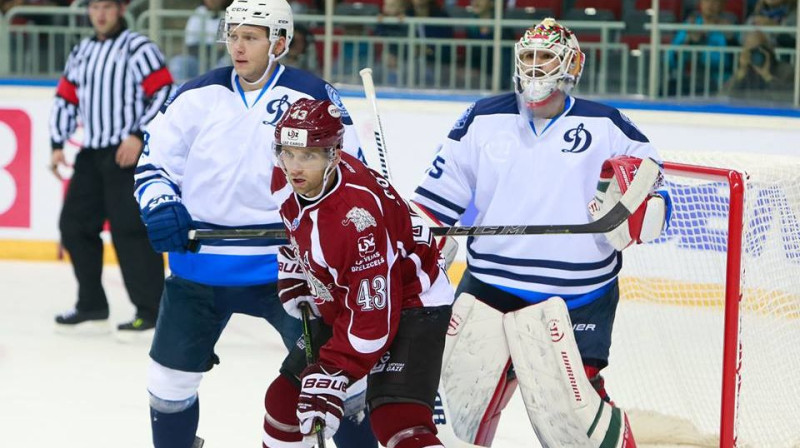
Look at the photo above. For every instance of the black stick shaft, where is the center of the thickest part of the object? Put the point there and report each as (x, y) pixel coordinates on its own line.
(610, 221)
(319, 427)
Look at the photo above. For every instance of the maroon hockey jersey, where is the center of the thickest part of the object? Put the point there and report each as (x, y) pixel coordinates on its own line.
(366, 257)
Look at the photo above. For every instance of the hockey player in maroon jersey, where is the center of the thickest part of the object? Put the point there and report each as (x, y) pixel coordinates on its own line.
(369, 269)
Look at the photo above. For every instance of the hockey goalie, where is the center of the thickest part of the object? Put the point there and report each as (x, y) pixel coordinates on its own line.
(497, 343)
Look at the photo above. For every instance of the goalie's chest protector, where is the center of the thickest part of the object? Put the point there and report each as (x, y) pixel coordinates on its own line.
(543, 173)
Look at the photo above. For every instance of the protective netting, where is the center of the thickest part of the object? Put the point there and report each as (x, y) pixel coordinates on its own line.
(666, 360)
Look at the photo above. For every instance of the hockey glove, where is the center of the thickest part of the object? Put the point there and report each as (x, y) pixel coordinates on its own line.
(168, 223)
(650, 218)
(447, 245)
(292, 285)
(321, 398)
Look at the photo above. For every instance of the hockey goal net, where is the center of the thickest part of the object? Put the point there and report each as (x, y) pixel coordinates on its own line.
(691, 362)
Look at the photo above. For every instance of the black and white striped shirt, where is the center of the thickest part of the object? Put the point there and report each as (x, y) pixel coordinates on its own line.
(114, 87)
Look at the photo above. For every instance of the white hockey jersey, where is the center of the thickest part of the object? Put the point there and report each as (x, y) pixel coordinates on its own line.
(518, 175)
(213, 145)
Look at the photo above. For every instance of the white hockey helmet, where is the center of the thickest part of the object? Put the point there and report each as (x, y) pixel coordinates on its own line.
(536, 83)
(275, 15)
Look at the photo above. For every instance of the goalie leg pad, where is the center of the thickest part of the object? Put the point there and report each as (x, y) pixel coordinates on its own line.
(475, 363)
(562, 405)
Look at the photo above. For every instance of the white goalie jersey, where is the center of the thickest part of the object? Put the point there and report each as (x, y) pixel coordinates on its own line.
(522, 173)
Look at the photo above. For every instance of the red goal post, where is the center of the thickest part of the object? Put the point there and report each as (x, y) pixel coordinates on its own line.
(692, 360)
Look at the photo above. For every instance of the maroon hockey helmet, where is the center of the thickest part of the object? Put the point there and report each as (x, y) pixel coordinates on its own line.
(310, 123)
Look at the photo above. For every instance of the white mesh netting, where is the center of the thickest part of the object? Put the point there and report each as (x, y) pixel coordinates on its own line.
(666, 361)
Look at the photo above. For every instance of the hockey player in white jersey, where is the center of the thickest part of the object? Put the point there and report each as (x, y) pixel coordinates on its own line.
(207, 163)
(533, 157)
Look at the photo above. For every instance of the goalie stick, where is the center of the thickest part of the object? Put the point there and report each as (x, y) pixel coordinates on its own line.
(380, 142)
(637, 192)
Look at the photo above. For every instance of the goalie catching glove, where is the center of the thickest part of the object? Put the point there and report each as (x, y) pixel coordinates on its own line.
(292, 285)
(643, 225)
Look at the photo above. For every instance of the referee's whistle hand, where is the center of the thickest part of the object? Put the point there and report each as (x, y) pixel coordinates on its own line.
(128, 152)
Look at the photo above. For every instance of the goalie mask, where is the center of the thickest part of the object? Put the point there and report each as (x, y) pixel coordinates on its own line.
(275, 15)
(548, 60)
(310, 124)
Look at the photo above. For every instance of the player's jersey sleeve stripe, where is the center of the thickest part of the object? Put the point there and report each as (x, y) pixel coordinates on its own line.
(546, 280)
(439, 200)
(547, 264)
(225, 270)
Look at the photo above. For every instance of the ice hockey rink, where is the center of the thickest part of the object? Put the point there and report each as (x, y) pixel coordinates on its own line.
(89, 391)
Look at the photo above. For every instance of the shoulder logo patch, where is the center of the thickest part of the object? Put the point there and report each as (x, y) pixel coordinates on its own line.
(336, 99)
(360, 218)
(462, 121)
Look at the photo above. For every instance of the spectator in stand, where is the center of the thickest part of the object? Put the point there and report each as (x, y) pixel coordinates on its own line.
(776, 13)
(201, 38)
(709, 12)
(303, 51)
(760, 74)
(484, 9)
(391, 52)
(432, 53)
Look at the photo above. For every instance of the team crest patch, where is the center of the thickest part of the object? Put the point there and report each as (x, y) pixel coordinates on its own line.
(462, 121)
(315, 285)
(360, 218)
(333, 95)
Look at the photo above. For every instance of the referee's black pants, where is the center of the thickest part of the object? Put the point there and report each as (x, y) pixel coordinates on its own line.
(101, 190)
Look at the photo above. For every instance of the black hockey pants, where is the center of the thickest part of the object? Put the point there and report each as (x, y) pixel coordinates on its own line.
(101, 190)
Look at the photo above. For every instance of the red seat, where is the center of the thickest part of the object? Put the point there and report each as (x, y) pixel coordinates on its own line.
(634, 41)
(374, 2)
(737, 8)
(614, 6)
(666, 5)
(319, 42)
(552, 5)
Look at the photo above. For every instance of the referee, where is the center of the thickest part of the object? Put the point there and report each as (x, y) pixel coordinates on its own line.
(114, 83)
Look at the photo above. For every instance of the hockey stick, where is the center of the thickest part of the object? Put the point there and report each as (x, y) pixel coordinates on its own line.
(636, 194)
(380, 142)
(319, 427)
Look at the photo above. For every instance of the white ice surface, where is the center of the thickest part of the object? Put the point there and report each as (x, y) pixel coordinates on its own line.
(89, 392)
